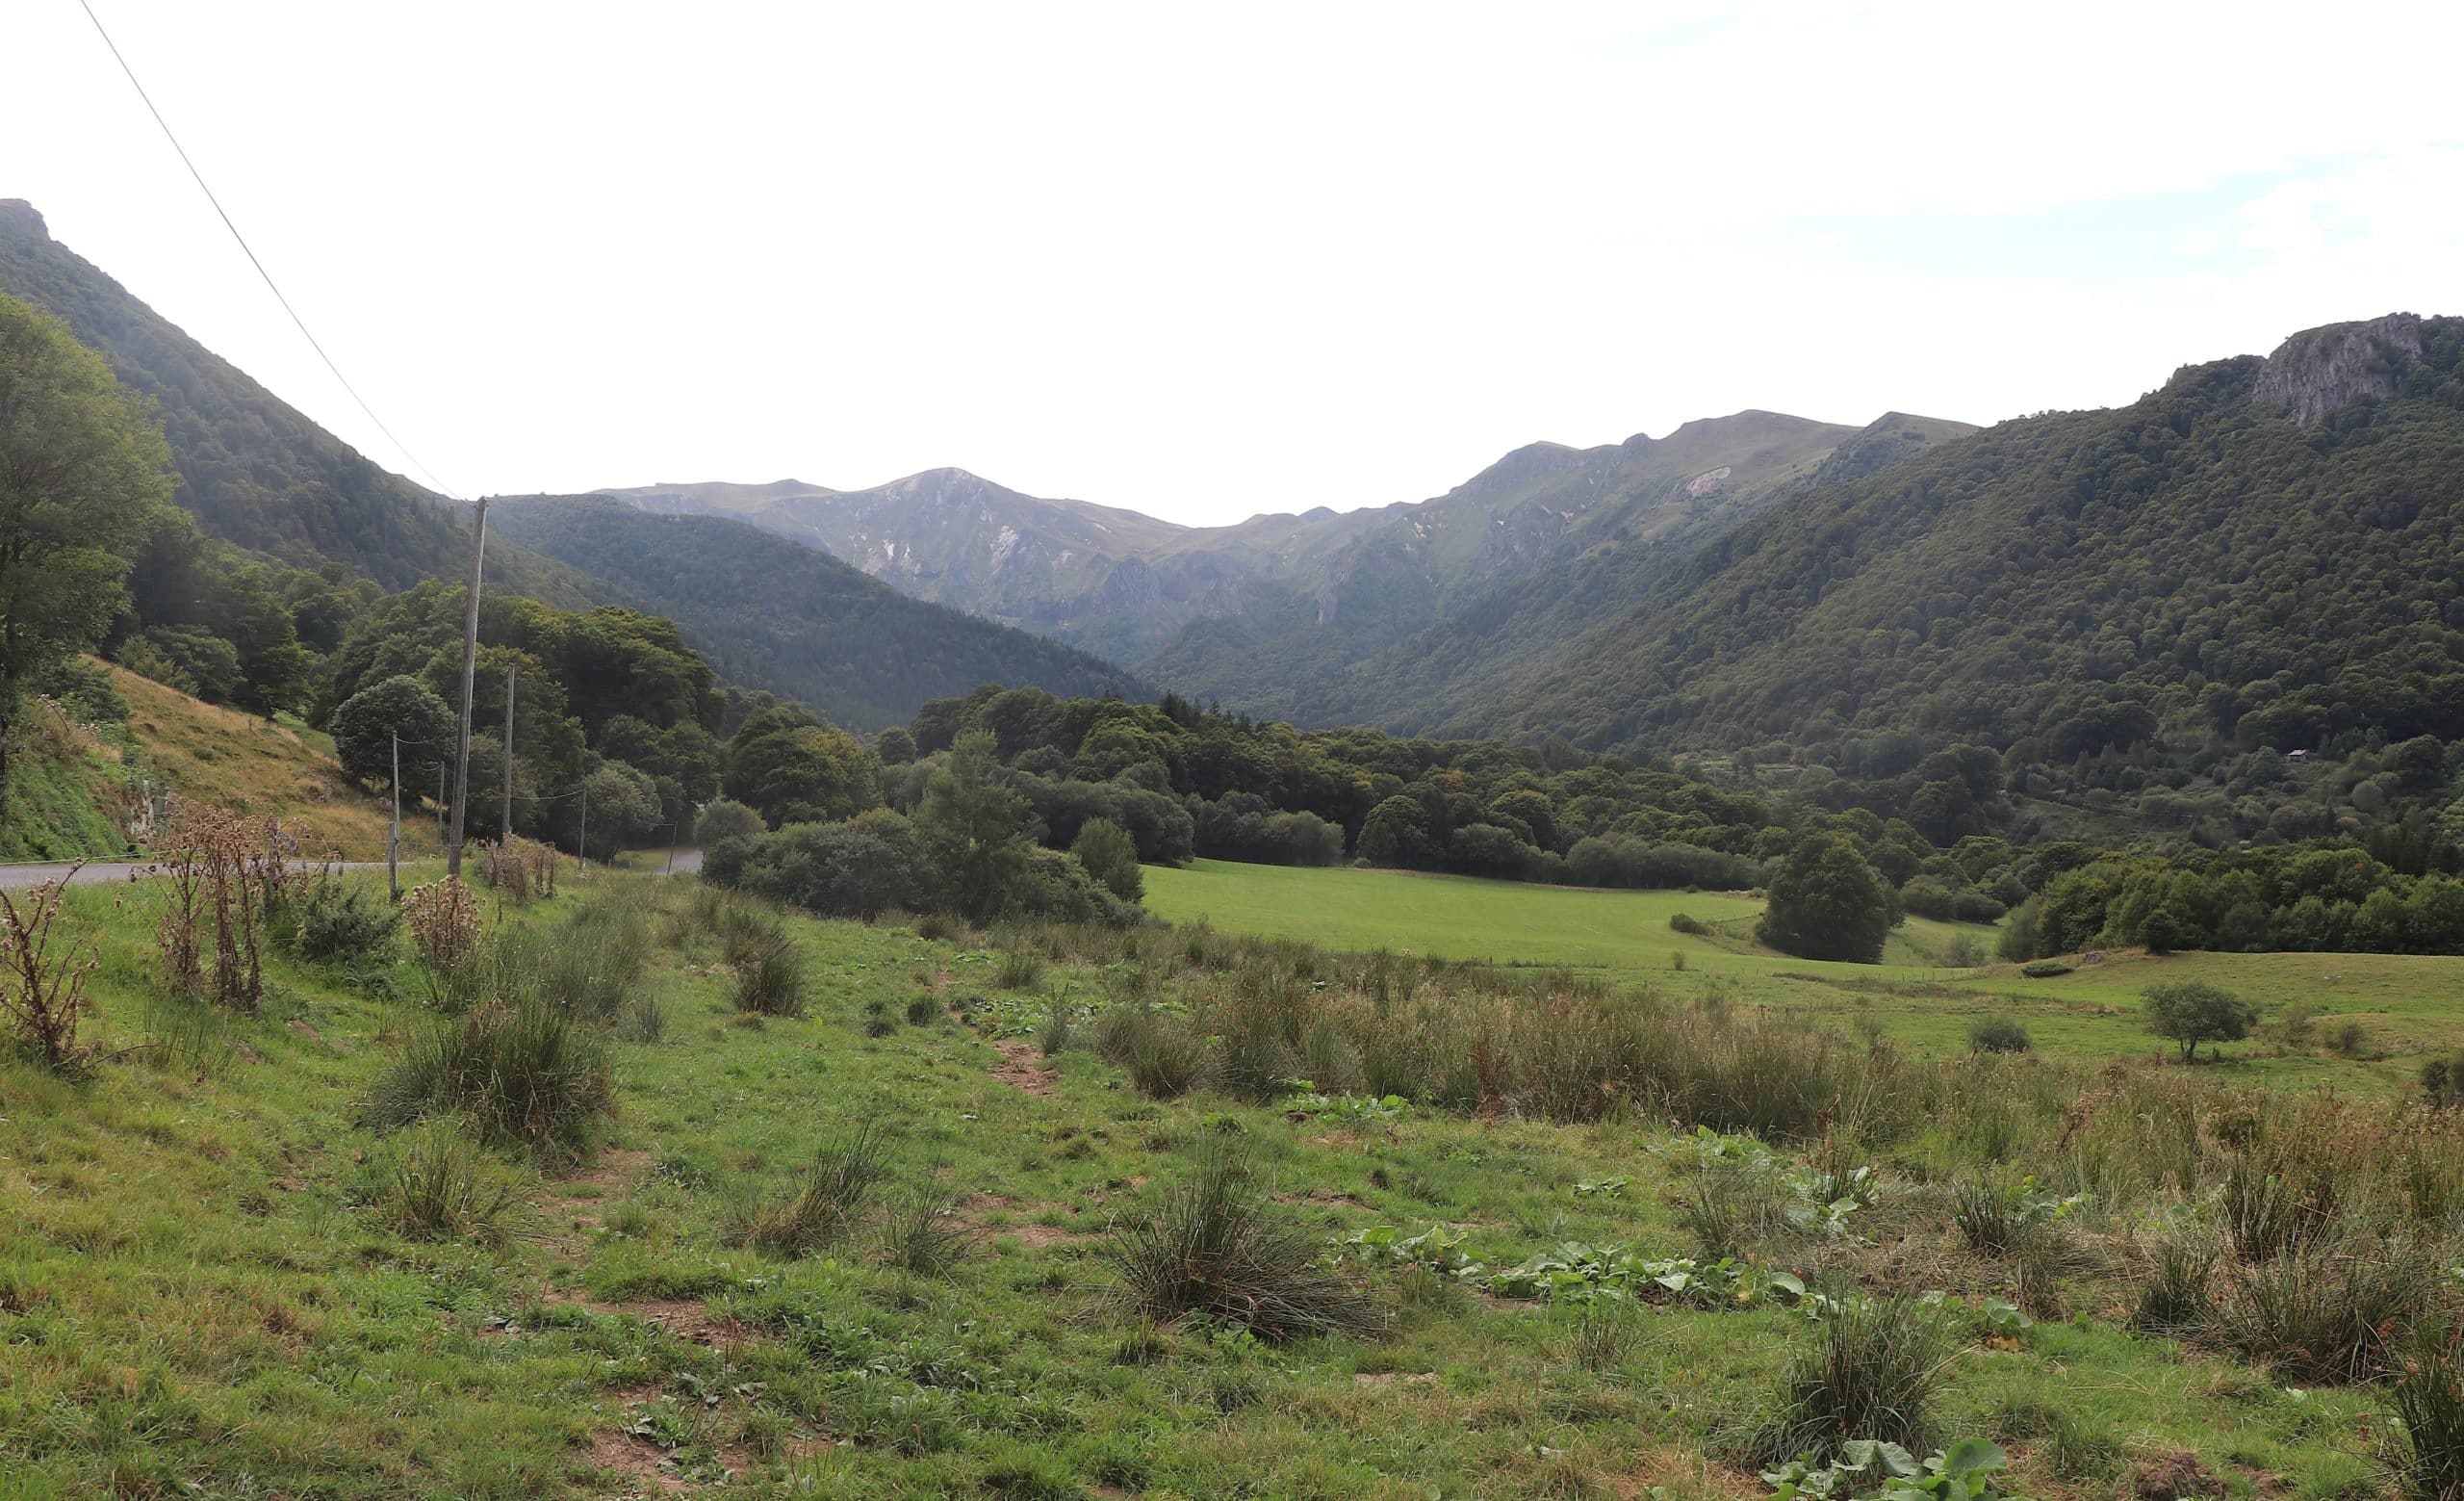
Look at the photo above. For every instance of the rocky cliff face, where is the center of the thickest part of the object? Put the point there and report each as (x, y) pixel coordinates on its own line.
(2319, 370)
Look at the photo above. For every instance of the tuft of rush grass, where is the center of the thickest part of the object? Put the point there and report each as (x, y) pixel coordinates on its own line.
(1215, 1245)
(770, 980)
(922, 1234)
(823, 1203)
(1874, 1369)
(442, 1186)
(528, 1071)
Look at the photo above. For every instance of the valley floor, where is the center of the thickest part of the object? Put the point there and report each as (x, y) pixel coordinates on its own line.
(200, 1296)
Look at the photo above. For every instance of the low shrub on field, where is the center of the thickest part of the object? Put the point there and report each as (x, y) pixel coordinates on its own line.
(336, 920)
(1998, 1034)
(2044, 968)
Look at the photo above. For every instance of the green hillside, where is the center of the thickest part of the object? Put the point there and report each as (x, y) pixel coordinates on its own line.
(794, 619)
(252, 469)
(2066, 583)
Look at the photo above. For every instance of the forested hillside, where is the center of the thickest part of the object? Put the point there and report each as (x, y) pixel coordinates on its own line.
(2070, 582)
(793, 618)
(253, 470)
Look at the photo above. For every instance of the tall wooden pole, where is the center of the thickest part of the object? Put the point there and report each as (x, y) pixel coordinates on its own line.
(469, 666)
(512, 670)
(581, 855)
(394, 835)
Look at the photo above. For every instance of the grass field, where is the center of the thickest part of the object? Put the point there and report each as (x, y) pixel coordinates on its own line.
(2408, 1006)
(201, 1292)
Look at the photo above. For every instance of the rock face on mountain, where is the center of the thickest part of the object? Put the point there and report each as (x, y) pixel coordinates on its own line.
(2319, 370)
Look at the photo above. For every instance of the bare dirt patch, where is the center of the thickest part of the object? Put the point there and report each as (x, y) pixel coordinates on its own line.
(577, 1199)
(1024, 1068)
(640, 1461)
(687, 1321)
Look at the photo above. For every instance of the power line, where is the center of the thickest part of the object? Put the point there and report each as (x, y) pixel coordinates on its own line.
(246, 249)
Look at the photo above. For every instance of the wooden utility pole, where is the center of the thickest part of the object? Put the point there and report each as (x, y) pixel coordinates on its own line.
(469, 666)
(512, 671)
(394, 835)
(581, 854)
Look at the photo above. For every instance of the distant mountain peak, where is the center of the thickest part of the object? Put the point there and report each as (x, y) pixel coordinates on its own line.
(18, 217)
(2321, 370)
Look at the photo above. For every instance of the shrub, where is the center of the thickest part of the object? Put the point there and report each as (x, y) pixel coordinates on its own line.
(725, 819)
(2443, 1079)
(443, 1187)
(43, 979)
(823, 1203)
(338, 920)
(770, 982)
(528, 1071)
(1998, 1034)
(1684, 923)
(869, 865)
(1215, 1245)
(2044, 968)
(1111, 857)
(1873, 1371)
(221, 874)
(444, 919)
(2192, 1012)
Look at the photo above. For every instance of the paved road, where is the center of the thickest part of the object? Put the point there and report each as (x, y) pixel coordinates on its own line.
(20, 876)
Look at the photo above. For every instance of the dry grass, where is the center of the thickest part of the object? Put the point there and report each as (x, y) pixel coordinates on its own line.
(261, 769)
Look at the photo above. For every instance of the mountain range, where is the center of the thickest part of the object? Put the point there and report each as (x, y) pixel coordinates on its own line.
(2262, 548)
(1273, 615)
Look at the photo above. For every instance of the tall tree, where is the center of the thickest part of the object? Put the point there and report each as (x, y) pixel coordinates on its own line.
(976, 826)
(1827, 903)
(84, 474)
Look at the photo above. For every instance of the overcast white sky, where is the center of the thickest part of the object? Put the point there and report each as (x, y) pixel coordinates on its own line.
(1210, 261)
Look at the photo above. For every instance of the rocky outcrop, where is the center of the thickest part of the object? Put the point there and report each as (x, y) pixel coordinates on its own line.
(2319, 370)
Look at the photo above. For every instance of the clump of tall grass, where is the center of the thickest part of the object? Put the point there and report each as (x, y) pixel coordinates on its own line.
(1217, 1245)
(825, 1201)
(1873, 1370)
(770, 981)
(2332, 1313)
(2429, 1398)
(2176, 1299)
(923, 1234)
(1731, 1207)
(526, 1071)
(1020, 967)
(443, 1187)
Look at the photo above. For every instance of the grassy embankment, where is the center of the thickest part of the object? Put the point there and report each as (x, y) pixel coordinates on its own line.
(207, 1288)
(2406, 1005)
(73, 787)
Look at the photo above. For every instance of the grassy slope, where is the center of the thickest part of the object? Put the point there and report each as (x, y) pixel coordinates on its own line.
(191, 1300)
(261, 768)
(2405, 1005)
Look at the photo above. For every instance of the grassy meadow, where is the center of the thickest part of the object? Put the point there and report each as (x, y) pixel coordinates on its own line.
(225, 1272)
(2407, 1007)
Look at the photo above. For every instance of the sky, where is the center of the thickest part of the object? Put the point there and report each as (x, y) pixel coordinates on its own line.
(1209, 260)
